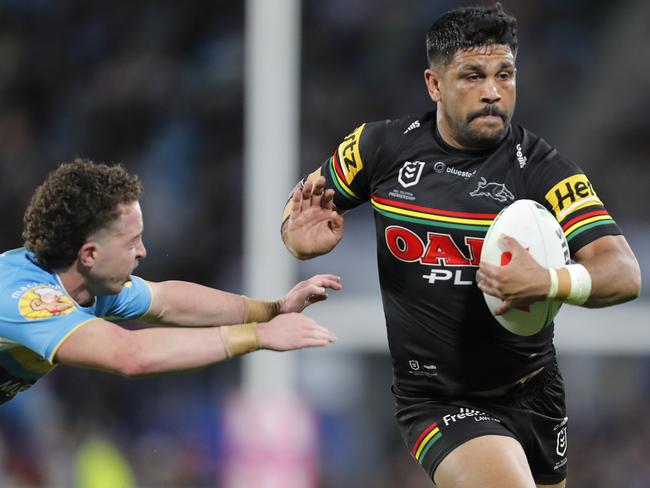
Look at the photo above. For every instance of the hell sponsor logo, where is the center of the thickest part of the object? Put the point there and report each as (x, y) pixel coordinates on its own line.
(440, 252)
(571, 194)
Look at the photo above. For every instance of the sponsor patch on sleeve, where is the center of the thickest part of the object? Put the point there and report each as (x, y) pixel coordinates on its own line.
(349, 156)
(571, 194)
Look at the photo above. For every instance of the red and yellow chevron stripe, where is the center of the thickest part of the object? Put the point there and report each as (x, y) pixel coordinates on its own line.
(428, 438)
(581, 223)
(431, 216)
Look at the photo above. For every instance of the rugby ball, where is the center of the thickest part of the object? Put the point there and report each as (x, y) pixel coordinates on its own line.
(535, 229)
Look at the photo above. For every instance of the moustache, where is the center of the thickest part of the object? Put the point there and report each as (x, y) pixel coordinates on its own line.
(488, 110)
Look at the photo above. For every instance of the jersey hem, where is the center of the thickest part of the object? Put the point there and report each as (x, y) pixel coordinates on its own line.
(50, 358)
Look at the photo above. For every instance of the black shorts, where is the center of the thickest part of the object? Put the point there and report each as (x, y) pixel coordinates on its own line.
(533, 413)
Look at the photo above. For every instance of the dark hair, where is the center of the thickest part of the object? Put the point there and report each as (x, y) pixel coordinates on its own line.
(75, 200)
(470, 27)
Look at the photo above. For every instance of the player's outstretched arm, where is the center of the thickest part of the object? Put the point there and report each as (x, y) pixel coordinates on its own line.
(611, 275)
(102, 345)
(311, 225)
(189, 304)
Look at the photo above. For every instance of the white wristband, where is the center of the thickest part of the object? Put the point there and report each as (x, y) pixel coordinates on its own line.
(580, 284)
(552, 291)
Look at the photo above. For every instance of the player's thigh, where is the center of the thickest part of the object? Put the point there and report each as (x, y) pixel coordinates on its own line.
(561, 484)
(490, 461)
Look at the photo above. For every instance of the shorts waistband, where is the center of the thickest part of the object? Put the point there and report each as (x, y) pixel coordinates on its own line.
(502, 390)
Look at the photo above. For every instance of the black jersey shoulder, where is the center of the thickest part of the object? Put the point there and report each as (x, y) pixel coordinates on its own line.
(382, 140)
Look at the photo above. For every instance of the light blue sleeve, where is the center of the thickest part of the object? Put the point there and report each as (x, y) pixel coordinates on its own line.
(132, 302)
(41, 335)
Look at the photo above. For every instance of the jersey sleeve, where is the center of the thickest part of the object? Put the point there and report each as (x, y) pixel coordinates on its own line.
(354, 166)
(41, 331)
(132, 302)
(562, 187)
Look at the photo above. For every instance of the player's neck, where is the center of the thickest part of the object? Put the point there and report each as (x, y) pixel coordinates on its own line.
(76, 285)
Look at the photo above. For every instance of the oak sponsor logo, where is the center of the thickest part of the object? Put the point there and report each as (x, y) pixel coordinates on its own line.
(349, 154)
(571, 194)
(439, 250)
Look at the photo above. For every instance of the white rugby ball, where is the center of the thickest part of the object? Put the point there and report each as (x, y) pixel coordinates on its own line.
(535, 229)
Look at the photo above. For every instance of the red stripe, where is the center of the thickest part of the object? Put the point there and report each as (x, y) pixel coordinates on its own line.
(422, 436)
(435, 211)
(337, 167)
(582, 217)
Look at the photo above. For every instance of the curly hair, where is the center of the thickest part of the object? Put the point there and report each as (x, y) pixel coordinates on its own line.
(74, 201)
(470, 27)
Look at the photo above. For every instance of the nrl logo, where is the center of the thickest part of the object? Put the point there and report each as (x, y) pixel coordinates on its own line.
(410, 172)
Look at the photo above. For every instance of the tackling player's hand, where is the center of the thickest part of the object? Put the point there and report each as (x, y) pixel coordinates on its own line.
(307, 292)
(292, 331)
(314, 227)
(519, 283)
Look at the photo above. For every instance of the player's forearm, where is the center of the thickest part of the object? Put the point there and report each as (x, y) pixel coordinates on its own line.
(615, 278)
(164, 350)
(301, 249)
(189, 304)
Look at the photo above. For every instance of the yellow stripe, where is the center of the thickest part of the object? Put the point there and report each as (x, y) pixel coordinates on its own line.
(350, 155)
(429, 216)
(51, 358)
(150, 299)
(341, 182)
(585, 222)
(424, 442)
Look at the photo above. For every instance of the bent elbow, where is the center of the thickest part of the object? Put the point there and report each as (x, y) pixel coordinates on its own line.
(635, 284)
(631, 290)
(129, 363)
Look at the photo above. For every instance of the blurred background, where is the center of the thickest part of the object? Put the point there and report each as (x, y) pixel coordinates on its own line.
(159, 87)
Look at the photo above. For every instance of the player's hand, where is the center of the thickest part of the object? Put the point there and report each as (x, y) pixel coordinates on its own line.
(293, 331)
(314, 227)
(307, 292)
(519, 283)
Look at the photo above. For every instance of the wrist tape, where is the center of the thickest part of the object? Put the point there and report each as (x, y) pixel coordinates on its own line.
(571, 284)
(261, 311)
(239, 339)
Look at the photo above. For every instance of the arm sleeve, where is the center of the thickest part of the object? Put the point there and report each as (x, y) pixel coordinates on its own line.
(132, 302)
(351, 169)
(562, 187)
(41, 335)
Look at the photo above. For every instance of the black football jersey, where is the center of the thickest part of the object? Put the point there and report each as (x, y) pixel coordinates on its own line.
(433, 205)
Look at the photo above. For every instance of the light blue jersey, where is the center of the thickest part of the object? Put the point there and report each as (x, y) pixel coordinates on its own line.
(37, 315)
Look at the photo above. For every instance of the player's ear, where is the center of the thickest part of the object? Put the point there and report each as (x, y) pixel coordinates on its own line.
(87, 254)
(432, 80)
